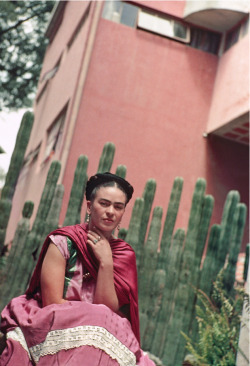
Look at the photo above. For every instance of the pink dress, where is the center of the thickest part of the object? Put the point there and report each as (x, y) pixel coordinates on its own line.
(77, 332)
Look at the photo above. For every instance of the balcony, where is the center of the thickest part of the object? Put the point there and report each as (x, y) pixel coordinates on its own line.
(216, 15)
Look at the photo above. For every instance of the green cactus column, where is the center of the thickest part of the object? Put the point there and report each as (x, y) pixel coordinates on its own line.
(106, 158)
(149, 256)
(172, 275)
(237, 232)
(13, 173)
(37, 235)
(148, 196)
(8, 284)
(229, 209)
(169, 223)
(180, 317)
(77, 192)
(55, 209)
(203, 227)
(121, 171)
(133, 232)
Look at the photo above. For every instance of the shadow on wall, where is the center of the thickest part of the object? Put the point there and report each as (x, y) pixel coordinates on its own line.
(227, 168)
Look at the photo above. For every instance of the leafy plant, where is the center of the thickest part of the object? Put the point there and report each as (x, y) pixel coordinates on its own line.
(219, 319)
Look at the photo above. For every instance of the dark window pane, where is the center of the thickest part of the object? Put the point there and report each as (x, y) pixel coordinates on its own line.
(180, 30)
(111, 9)
(129, 15)
(205, 40)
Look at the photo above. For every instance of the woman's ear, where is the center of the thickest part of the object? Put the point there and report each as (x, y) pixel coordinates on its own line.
(88, 207)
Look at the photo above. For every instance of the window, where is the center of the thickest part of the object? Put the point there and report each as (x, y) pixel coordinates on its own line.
(47, 76)
(205, 40)
(235, 34)
(54, 135)
(120, 12)
(29, 162)
(164, 26)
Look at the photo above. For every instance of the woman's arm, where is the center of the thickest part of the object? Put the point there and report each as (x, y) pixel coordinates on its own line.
(52, 276)
(105, 292)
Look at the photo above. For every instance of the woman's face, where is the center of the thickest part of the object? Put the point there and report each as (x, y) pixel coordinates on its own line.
(107, 208)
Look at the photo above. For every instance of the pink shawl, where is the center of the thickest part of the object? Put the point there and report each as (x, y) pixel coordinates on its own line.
(125, 273)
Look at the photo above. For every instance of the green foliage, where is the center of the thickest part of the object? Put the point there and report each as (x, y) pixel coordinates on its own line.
(22, 47)
(219, 320)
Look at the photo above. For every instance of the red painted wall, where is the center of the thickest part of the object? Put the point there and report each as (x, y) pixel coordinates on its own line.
(231, 91)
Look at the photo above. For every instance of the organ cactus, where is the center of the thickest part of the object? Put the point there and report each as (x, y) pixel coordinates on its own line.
(37, 234)
(8, 285)
(172, 273)
(106, 158)
(5, 209)
(133, 233)
(181, 319)
(209, 269)
(121, 171)
(73, 214)
(148, 260)
(238, 226)
(148, 196)
(13, 172)
(230, 205)
(55, 209)
(169, 222)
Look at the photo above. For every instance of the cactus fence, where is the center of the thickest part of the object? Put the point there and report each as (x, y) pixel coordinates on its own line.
(167, 278)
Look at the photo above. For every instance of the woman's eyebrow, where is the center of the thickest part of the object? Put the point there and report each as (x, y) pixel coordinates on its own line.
(116, 203)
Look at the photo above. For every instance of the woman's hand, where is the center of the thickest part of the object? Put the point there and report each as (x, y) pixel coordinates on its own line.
(105, 292)
(100, 247)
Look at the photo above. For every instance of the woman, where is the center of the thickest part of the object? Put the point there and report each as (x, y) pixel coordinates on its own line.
(81, 307)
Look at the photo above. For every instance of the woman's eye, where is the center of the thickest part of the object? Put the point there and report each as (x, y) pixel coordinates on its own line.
(118, 208)
(104, 204)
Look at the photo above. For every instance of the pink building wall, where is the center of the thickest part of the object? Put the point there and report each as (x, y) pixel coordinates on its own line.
(231, 90)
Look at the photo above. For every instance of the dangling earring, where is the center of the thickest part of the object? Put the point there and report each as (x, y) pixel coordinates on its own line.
(118, 227)
(87, 218)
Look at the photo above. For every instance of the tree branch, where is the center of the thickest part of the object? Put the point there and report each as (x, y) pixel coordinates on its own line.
(20, 22)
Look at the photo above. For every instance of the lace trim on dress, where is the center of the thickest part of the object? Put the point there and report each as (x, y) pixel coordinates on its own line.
(64, 339)
(17, 335)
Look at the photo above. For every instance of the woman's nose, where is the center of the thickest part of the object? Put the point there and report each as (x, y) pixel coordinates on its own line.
(110, 210)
